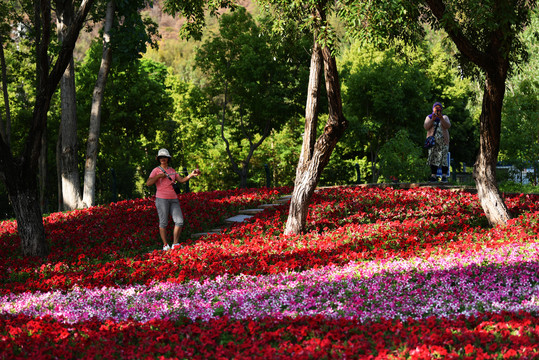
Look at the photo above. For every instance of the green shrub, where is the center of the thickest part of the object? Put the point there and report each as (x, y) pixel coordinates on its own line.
(402, 160)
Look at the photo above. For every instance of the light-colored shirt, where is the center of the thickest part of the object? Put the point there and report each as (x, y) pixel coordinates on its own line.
(164, 185)
(445, 124)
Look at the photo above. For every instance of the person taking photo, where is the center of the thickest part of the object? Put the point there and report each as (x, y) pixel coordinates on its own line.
(166, 199)
(438, 125)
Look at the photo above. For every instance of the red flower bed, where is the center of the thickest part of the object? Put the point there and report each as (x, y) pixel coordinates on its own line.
(115, 246)
(103, 245)
(488, 336)
(346, 224)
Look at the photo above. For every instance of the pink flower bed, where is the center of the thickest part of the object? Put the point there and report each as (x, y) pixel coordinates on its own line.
(381, 272)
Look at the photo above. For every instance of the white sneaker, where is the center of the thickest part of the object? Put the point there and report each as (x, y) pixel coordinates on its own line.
(176, 245)
(166, 247)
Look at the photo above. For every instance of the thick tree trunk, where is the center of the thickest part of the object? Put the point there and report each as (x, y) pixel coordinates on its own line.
(21, 184)
(95, 115)
(309, 172)
(24, 198)
(485, 166)
(71, 189)
(303, 184)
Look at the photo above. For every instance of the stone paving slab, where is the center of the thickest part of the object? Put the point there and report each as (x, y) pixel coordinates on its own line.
(238, 218)
(250, 211)
(265, 206)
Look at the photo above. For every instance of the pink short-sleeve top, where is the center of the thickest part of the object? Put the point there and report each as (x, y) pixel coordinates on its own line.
(164, 185)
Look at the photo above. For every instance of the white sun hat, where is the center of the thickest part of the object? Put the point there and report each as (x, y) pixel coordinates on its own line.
(163, 153)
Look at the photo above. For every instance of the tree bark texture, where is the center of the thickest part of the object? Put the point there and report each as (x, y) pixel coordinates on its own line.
(309, 171)
(59, 172)
(303, 184)
(42, 173)
(24, 198)
(95, 115)
(311, 109)
(69, 172)
(71, 189)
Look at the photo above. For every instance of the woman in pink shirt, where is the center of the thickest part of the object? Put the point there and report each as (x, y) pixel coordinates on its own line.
(166, 199)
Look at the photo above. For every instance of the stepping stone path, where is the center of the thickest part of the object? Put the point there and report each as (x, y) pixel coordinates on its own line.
(243, 215)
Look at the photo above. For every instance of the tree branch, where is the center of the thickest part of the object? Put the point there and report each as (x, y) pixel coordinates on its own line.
(449, 24)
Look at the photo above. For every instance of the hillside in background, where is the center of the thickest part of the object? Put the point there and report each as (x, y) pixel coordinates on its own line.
(174, 52)
(169, 26)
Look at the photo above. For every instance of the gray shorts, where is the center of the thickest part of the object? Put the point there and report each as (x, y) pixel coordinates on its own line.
(166, 207)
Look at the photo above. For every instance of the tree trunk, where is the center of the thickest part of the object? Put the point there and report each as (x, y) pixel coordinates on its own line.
(42, 168)
(303, 187)
(485, 166)
(308, 173)
(59, 173)
(311, 109)
(243, 176)
(71, 189)
(24, 198)
(95, 115)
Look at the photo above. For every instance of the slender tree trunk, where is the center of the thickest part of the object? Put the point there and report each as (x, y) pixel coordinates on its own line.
(59, 172)
(311, 109)
(5, 130)
(71, 189)
(95, 115)
(309, 172)
(485, 166)
(43, 173)
(304, 185)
